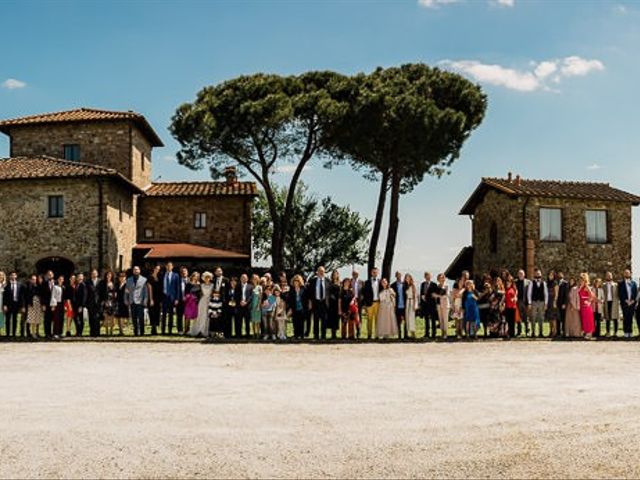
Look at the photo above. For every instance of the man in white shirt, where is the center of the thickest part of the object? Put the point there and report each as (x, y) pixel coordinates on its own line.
(611, 305)
(537, 298)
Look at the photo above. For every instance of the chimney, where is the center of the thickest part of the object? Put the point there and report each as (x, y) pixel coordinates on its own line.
(509, 177)
(517, 180)
(230, 174)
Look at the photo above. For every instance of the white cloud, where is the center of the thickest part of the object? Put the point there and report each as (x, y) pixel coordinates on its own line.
(544, 69)
(435, 3)
(496, 75)
(536, 77)
(594, 166)
(576, 66)
(621, 9)
(12, 84)
(505, 3)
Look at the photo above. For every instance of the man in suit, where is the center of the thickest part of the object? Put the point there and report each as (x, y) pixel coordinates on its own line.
(136, 297)
(562, 301)
(82, 296)
(170, 293)
(611, 305)
(628, 294)
(244, 298)
(45, 300)
(371, 300)
(13, 303)
(428, 308)
(229, 310)
(319, 302)
(400, 289)
(358, 292)
(522, 285)
(94, 303)
(182, 291)
(537, 299)
(220, 289)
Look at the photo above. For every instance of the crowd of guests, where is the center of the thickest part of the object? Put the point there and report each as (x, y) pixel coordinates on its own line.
(323, 306)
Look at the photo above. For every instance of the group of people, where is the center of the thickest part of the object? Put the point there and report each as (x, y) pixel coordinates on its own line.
(323, 306)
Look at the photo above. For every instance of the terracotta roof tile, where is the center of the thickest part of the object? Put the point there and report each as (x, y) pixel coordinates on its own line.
(84, 115)
(43, 167)
(186, 250)
(184, 189)
(549, 189)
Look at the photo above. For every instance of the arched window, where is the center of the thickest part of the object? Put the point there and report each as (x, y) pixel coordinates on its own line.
(493, 238)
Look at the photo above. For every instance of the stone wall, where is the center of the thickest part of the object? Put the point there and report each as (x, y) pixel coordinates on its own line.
(506, 212)
(172, 219)
(573, 255)
(113, 144)
(27, 234)
(120, 230)
(140, 158)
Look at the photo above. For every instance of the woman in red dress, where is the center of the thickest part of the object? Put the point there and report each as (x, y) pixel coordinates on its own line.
(586, 296)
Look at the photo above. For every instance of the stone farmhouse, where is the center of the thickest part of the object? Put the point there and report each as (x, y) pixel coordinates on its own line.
(573, 227)
(76, 193)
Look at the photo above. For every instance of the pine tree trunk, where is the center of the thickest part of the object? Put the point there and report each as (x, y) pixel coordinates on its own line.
(394, 221)
(377, 223)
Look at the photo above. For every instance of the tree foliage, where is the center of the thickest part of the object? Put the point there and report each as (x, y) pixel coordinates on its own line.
(258, 123)
(320, 232)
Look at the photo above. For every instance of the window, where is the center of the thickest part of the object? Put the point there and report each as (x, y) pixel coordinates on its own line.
(120, 209)
(56, 206)
(148, 233)
(493, 238)
(596, 226)
(551, 224)
(142, 160)
(120, 262)
(72, 152)
(200, 220)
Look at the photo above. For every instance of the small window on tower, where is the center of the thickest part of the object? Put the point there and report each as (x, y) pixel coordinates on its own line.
(148, 233)
(72, 152)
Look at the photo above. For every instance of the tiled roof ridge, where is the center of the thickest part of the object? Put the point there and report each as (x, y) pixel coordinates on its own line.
(62, 161)
(129, 113)
(542, 180)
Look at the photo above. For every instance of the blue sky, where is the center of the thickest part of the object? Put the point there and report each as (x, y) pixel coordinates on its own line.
(561, 78)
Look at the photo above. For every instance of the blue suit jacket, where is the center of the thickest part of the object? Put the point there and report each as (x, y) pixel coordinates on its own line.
(622, 292)
(173, 291)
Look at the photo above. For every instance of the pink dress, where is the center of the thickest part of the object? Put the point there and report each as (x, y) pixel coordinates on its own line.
(586, 310)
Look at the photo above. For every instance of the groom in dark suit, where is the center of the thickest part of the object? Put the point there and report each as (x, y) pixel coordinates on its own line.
(170, 297)
(319, 302)
(628, 293)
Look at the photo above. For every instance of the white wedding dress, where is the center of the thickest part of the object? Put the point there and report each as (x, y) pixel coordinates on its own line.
(201, 324)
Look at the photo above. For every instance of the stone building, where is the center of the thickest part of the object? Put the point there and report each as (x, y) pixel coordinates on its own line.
(76, 194)
(569, 226)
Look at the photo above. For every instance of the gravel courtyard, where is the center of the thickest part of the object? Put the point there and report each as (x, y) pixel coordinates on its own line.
(485, 409)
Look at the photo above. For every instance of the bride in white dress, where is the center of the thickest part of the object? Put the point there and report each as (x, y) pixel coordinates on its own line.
(201, 325)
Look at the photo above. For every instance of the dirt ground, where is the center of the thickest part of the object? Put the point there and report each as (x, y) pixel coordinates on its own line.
(486, 409)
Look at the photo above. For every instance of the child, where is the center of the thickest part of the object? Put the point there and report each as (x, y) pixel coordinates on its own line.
(268, 307)
(471, 311)
(280, 314)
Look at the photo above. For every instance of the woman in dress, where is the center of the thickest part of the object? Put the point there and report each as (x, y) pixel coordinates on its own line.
(410, 306)
(280, 314)
(333, 314)
(200, 328)
(510, 306)
(496, 322)
(122, 312)
(386, 324)
(458, 308)
(109, 299)
(551, 312)
(347, 323)
(443, 304)
(70, 304)
(296, 301)
(191, 298)
(573, 324)
(484, 304)
(35, 309)
(587, 299)
(471, 311)
(3, 284)
(216, 324)
(256, 305)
